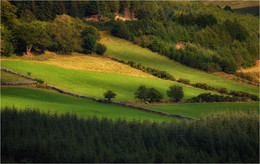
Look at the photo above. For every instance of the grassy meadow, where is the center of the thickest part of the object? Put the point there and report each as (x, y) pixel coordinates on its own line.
(53, 102)
(94, 63)
(126, 50)
(198, 110)
(94, 83)
(5, 76)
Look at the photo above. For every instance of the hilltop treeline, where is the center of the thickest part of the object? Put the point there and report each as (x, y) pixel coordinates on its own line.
(31, 136)
(211, 39)
(63, 34)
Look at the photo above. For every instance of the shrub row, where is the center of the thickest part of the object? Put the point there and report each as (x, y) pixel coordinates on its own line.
(244, 95)
(158, 73)
(208, 97)
(220, 90)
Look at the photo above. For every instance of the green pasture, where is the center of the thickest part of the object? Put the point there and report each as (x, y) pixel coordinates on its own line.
(58, 103)
(5, 76)
(125, 50)
(94, 83)
(199, 109)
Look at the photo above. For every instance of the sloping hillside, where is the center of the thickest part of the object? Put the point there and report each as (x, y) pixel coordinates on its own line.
(125, 50)
(52, 102)
(94, 83)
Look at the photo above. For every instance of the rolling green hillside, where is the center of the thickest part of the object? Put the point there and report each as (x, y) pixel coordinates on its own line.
(198, 110)
(57, 103)
(94, 83)
(125, 50)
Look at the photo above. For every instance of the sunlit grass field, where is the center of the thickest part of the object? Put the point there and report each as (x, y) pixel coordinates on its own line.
(198, 110)
(53, 102)
(79, 61)
(125, 50)
(94, 83)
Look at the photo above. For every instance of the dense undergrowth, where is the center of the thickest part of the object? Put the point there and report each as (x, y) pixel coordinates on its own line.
(33, 136)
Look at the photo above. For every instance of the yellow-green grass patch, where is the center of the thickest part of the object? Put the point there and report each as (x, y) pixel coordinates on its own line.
(86, 62)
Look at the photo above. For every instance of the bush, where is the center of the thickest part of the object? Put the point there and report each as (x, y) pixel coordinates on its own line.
(142, 93)
(100, 48)
(89, 42)
(223, 90)
(109, 95)
(29, 73)
(175, 93)
(154, 95)
(40, 81)
(184, 81)
(148, 94)
(254, 97)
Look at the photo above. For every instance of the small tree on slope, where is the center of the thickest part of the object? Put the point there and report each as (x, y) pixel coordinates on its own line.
(109, 95)
(175, 93)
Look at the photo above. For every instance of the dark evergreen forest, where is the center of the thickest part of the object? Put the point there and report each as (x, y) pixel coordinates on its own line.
(33, 136)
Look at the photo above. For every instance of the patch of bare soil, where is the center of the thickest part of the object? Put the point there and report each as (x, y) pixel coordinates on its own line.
(128, 16)
(255, 68)
(181, 45)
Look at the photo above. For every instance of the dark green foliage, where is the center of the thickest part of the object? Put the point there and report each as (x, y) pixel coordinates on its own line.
(175, 93)
(229, 66)
(228, 8)
(89, 42)
(148, 94)
(7, 39)
(27, 16)
(120, 30)
(223, 90)
(244, 94)
(204, 86)
(8, 17)
(154, 95)
(39, 80)
(92, 8)
(100, 48)
(33, 136)
(207, 97)
(109, 95)
(202, 20)
(142, 93)
(31, 36)
(184, 81)
(244, 76)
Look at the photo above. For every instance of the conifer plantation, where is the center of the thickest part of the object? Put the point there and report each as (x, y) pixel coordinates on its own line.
(34, 136)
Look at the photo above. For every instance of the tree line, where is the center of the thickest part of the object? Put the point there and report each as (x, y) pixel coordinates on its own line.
(64, 34)
(34, 136)
(213, 44)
